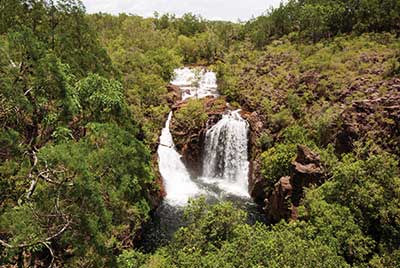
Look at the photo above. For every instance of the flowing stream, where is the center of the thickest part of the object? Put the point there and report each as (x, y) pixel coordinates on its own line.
(225, 164)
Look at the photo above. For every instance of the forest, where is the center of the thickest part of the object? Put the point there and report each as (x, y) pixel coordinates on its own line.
(84, 98)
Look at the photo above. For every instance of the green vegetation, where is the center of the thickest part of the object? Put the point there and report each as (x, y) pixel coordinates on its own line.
(317, 19)
(83, 99)
(75, 179)
(218, 237)
(193, 116)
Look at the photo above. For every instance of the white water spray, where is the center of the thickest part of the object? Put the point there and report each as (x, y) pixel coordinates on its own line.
(177, 182)
(225, 155)
(196, 83)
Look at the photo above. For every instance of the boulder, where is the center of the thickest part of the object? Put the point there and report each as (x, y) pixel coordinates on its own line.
(278, 205)
(256, 182)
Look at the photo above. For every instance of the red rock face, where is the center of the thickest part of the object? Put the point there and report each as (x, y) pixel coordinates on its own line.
(284, 200)
(174, 94)
(278, 205)
(256, 181)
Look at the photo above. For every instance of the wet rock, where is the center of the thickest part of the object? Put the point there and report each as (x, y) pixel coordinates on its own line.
(256, 182)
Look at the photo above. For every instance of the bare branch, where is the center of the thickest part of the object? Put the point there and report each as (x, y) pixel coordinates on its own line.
(51, 253)
(27, 92)
(62, 230)
(33, 180)
(4, 244)
(24, 245)
(31, 188)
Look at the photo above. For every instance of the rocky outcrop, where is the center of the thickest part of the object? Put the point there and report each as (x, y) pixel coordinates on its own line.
(174, 94)
(191, 149)
(189, 141)
(256, 181)
(284, 200)
(375, 117)
(278, 206)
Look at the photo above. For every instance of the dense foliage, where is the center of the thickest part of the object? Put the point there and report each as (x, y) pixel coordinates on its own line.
(218, 237)
(316, 19)
(75, 180)
(83, 99)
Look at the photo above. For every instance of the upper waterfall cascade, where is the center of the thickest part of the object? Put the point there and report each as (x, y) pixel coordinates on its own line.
(225, 164)
(196, 83)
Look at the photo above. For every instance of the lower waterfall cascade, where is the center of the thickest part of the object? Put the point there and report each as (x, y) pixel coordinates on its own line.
(177, 182)
(225, 154)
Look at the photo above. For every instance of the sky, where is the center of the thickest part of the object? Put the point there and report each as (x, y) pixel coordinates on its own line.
(231, 10)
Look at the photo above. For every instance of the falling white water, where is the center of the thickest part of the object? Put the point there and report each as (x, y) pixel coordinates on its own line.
(225, 164)
(177, 182)
(196, 82)
(225, 160)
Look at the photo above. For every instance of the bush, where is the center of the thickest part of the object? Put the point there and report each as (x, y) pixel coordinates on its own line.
(336, 226)
(217, 237)
(323, 126)
(296, 104)
(370, 189)
(191, 116)
(281, 119)
(296, 134)
(265, 141)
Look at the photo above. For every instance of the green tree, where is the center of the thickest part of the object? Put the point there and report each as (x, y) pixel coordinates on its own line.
(370, 188)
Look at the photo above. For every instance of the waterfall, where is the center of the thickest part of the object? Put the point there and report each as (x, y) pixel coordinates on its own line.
(225, 163)
(196, 83)
(177, 182)
(225, 160)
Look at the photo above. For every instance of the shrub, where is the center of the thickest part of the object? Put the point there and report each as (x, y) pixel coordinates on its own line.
(296, 104)
(265, 141)
(370, 189)
(281, 120)
(296, 134)
(191, 116)
(276, 162)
